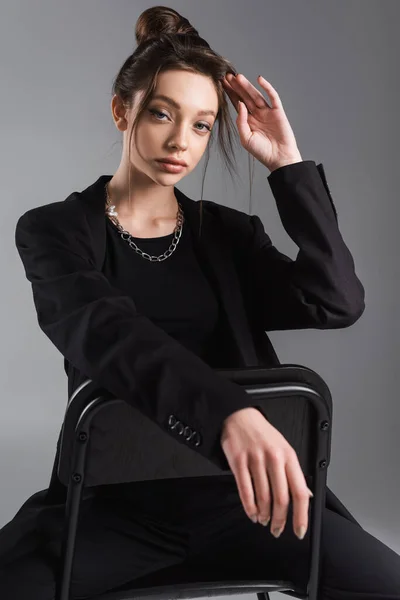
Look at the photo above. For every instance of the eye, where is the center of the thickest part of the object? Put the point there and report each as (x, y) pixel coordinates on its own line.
(157, 112)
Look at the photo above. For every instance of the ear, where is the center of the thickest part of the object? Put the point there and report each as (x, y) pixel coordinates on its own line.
(119, 113)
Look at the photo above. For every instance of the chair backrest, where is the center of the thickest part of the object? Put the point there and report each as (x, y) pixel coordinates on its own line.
(122, 440)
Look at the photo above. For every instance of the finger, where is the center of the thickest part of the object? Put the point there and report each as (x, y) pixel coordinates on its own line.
(271, 91)
(246, 90)
(237, 87)
(245, 489)
(262, 490)
(300, 494)
(280, 493)
(242, 123)
(233, 96)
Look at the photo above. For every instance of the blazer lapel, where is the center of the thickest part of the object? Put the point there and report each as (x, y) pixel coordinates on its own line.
(210, 250)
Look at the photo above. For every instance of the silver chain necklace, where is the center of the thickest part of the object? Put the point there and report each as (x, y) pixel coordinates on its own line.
(112, 215)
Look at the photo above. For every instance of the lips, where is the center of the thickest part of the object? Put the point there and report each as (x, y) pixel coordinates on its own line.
(170, 168)
(173, 162)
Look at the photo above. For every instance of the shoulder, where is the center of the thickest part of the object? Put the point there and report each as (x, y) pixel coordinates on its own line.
(229, 217)
(54, 213)
(58, 230)
(239, 226)
(223, 211)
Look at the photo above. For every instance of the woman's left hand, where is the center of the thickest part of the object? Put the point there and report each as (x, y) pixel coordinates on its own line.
(264, 130)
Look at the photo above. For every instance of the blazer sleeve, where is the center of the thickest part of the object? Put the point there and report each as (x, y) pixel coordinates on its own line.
(98, 330)
(319, 289)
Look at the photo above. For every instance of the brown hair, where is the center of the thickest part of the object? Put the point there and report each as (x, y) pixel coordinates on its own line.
(166, 40)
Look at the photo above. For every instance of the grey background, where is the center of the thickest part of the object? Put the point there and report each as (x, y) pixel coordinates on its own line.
(335, 67)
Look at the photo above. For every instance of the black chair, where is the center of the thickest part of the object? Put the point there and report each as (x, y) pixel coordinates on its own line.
(101, 435)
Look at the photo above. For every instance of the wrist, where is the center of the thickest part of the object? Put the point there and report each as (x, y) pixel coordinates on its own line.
(285, 162)
(233, 415)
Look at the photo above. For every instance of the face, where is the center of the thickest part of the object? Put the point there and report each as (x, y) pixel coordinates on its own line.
(173, 128)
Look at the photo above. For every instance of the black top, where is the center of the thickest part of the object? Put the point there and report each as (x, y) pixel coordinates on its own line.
(177, 296)
(173, 293)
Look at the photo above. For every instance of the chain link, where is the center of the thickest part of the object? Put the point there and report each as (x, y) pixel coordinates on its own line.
(112, 215)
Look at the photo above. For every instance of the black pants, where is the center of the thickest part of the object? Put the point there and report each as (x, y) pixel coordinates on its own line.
(200, 522)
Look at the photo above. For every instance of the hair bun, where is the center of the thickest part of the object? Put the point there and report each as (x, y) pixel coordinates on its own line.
(157, 20)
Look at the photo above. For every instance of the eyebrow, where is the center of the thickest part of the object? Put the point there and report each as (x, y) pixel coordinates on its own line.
(178, 106)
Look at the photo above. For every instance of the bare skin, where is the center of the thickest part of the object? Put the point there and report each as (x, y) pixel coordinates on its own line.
(255, 450)
(151, 209)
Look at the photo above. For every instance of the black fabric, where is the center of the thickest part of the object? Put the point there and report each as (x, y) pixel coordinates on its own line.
(175, 295)
(101, 335)
(100, 332)
(195, 537)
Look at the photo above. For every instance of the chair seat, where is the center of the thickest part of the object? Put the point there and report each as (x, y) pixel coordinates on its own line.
(181, 581)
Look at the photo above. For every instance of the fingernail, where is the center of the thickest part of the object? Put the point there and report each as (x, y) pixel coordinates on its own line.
(301, 532)
(277, 532)
(254, 518)
(264, 523)
(311, 494)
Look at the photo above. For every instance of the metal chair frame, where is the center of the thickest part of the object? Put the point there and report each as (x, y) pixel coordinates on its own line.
(94, 399)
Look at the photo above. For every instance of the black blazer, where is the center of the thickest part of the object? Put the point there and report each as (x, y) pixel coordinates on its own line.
(102, 336)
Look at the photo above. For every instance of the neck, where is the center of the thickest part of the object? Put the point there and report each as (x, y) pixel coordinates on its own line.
(143, 202)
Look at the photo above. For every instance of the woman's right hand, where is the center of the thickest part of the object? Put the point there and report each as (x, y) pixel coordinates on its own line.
(255, 450)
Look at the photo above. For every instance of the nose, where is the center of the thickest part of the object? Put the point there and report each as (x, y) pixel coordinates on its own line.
(179, 139)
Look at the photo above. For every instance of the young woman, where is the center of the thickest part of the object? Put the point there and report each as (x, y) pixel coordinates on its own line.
(147, 296)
